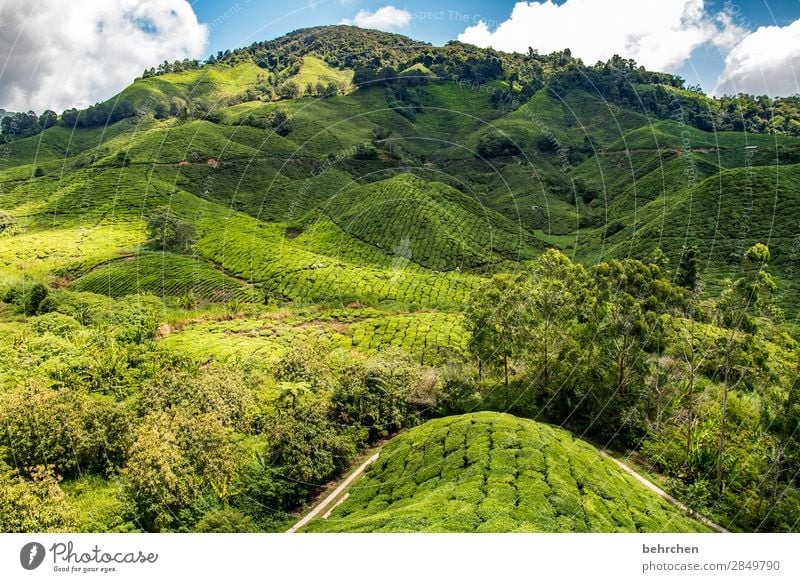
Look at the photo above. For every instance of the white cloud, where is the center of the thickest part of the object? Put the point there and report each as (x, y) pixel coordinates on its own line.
(764, 62)
(659, 34)
(385, 18)
(58, 55)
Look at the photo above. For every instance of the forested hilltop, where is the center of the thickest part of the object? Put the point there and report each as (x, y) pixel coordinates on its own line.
(223, 285)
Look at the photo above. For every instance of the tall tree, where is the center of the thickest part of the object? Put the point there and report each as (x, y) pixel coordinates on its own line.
(493, 320)
(553, 294)
(746, 298)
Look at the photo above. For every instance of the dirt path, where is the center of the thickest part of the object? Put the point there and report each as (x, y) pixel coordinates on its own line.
(654, 488)
(333, 495)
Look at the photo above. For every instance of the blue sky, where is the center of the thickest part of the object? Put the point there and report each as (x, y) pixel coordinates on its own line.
(94, 49)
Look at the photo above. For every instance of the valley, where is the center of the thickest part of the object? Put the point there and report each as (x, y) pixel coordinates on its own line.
(222, 285)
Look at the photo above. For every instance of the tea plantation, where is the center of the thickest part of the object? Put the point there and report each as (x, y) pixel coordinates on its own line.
(222, 285)
(491, 472)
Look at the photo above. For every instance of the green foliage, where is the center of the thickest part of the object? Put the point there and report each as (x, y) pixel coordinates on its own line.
(297, 248)
(33, 505)
(216, 390)
(495, 145)
(55, 323)
(226, 520)
(689, 268)
(167, 232)
(168, 275)
(31, 298)
(427, 223)
(67, 429)
(375, 396)
(489, 472)
(176, 457)
(305, 446)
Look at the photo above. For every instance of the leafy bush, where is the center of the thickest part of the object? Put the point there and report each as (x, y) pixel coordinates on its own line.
(305, 446)
(8, 223)
(65, 429)
(32, 298)
(55, 323)
(496, 145)
(177, 457)
(226, 520)
(167, 232)
(375, 395)
(217, 390)
(33, 505)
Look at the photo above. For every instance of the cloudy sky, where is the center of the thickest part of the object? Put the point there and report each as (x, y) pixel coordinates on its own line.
(56, 54)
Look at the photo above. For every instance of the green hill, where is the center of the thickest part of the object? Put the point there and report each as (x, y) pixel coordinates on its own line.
(491, 472)
(428, 223)
(221, 284)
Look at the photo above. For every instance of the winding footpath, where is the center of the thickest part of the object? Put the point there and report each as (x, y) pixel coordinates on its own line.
(655, 489)
(333, 495)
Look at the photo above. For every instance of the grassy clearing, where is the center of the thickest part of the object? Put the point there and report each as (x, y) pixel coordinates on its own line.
(491, 472)
(314, 70)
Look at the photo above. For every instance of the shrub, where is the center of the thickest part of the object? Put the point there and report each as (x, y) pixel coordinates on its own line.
(305, 446)
(175, 459)
(226, 520)
(8, 223)
(614, 227)
(65, 429)
(33, 505)
(135, 319)
(166, 231)
(375, 395)
(32, 298)
(216, 390)
(495, 145)
(55, 323)
(546, 143)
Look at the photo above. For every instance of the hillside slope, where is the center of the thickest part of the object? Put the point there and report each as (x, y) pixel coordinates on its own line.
(492, 472)
(429, 223)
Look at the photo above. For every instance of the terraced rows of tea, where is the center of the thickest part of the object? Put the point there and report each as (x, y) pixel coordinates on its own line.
(430, 337)
(261, 254)
(492, 472)
(428, 223)
(166, 275)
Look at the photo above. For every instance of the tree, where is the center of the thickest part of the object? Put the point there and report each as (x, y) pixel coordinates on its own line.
(32, 298)
(689, 267)
(48, 119)
(178, 456)
(305, 446)
(552, 296)
(280, 122)
(492, 319)
(748, 296)
(495, 145)
(375, 396)
(619, 376)
(290, 90)
(167, 231)
(690, 344)
(63, 429)
(332, 89)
